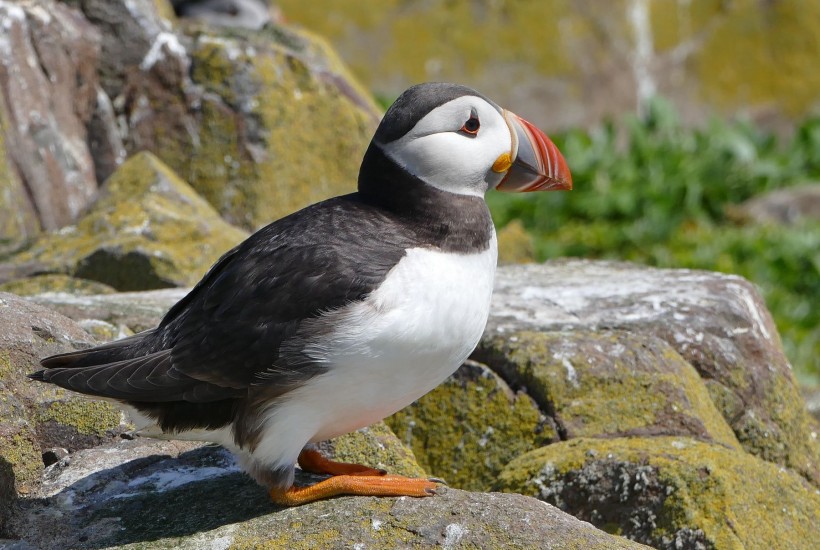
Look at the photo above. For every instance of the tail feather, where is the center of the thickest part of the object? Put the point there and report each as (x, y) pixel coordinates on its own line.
(129, 370)
(136, 345)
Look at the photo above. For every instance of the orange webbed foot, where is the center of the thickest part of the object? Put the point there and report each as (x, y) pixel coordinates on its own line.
(312, 461)
(380, 486)
(349, 479)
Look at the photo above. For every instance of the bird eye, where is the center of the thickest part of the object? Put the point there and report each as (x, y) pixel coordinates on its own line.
(471, 126)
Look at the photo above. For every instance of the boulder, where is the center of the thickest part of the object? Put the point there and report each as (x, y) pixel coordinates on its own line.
(48, 96)
(35, 417)
(790, 206)
(156, 494)
(136, 310)
(717, 323)
(279, 123)
(148, 229)
(672, 492)
(609, 384)
(466, 430)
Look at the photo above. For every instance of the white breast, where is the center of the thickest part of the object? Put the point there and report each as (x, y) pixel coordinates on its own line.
(404, 340)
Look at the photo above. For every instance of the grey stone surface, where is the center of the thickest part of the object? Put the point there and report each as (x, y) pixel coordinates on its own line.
(154, 494)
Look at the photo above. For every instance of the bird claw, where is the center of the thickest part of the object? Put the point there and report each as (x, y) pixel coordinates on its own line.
(438, 480)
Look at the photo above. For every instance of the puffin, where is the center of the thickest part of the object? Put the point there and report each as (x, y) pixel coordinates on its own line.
(338, 315)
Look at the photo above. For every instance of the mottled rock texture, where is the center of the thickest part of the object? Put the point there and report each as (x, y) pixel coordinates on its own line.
(569, 64)
(672, 492)
(148, 229)
(260, 123)
(717, 323)
(141, 494)
(467, 429)
(35, 417)
(48, 97)
(638, 385)
(781, 207)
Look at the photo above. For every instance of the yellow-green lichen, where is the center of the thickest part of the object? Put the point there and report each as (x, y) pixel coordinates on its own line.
(448, 38)
(20, 451)
(377, 447)
(276, 132)
(735, 499)
(468, 428)
(54, 283)
(604, 384)
(88, 417)
(148, 229)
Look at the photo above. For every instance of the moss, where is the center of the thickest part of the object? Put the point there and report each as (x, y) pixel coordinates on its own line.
(377, 446)
(466, 430)
(609, 383)
(690, 489)
(86, 416)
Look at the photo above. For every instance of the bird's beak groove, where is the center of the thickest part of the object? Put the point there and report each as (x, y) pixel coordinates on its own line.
(537, 164)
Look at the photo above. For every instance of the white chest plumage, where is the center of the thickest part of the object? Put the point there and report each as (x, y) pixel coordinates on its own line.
(389, 350)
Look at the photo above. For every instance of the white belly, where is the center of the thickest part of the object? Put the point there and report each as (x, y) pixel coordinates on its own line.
(404, 340)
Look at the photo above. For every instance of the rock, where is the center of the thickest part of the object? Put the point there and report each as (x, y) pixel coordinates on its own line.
(155, 494)
(18, 220)
(48, 59)
(593, 60)
(467, 429)
(263, 146)
(130, 31)
(251, 14)
(375, 446)
(788, 206)
(148, 229)
(33, 416)
(136, 310)
(717, 323)
(609, 384)
(672, 492)
(55, 282)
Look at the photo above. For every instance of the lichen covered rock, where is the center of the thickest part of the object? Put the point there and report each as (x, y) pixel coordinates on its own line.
(34, 417)
(717, 323)
(148, 229)
(55, 282)
(48, 90)
(609, 384)
(159, 494)
(467, 429)
(375, 446)
(280, 124)
(671, 492)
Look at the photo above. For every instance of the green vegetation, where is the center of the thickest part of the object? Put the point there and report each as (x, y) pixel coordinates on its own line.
(651, 191)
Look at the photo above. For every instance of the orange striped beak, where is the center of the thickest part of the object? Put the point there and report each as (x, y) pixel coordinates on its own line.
(537, 164)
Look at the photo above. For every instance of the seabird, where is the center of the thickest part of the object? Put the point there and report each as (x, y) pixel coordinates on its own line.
(340, 314)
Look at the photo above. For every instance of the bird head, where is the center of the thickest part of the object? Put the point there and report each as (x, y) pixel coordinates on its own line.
(455, 139)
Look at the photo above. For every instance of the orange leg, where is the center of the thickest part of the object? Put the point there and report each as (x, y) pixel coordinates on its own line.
(381, 486)
(312, 461)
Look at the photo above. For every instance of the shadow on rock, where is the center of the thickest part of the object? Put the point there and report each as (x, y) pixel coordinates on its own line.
(138, 491)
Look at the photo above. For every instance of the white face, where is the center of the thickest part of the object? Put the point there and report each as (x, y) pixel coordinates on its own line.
(444, 152)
